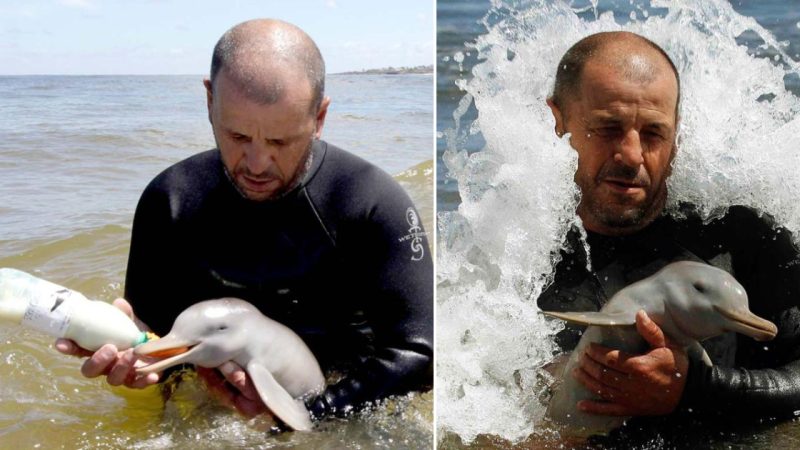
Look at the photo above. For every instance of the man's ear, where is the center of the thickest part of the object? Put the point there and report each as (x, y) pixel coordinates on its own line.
(209, 97)
(676, 141)
(322, 112)
(560, 126)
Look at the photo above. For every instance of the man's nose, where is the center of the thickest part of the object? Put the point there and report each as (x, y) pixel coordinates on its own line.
(629, 152)
(259, 155)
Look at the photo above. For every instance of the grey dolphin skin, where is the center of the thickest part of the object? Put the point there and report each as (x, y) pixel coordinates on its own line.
(213, 332)
(690, 301)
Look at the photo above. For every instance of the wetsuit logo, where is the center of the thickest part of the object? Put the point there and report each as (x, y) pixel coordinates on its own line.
(415, 235)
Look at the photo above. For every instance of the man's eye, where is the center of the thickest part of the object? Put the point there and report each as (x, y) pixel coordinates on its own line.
(650, 134)
(276, 142)
(239, 137)
(608, 131)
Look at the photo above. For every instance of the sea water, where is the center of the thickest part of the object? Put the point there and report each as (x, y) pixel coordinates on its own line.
(508, 197)
(75, 154)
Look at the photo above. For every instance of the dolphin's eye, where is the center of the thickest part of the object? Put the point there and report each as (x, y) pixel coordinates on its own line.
(699, 287)
(222, 328)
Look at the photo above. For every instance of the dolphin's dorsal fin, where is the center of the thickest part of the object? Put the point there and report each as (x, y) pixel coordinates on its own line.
(292, 412)
(595, 318)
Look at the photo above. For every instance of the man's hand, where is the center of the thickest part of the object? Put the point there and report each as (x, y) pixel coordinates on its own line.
(118, 367)
(238, 393)
(634, 385)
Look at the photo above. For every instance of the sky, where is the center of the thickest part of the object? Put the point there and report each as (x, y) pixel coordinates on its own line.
(94, 37)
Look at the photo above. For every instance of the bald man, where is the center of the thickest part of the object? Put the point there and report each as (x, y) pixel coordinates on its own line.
(313, 236)
(617, 95)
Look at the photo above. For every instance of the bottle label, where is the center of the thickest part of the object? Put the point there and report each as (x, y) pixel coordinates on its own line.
(50, 314)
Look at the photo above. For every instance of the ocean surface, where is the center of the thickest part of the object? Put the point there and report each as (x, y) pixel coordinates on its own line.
(505, 195)
(75, 154)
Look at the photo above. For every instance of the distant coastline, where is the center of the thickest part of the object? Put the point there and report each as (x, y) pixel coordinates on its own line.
(391, 71)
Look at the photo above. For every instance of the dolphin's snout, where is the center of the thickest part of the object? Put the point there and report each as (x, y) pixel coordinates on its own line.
(175, 351)
(749, 324)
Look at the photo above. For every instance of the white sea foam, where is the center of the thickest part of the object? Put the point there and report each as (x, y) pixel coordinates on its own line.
(738, 131)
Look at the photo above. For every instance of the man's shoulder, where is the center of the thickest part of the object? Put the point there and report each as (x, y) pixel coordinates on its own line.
(346, 167)
(350, 178)
(739, 230)
(734, 218)
(184, 185)
(185, 174)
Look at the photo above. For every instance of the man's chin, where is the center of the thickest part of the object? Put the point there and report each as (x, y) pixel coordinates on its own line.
(614, 221)
(258, 195)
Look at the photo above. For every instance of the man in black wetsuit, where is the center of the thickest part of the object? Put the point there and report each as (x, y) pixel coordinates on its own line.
(315, 237)
(617, 94)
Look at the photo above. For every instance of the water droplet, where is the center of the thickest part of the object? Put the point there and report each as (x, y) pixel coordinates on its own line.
(766, 348)
(633, 15)
(446, 59)
(797, 413)
(677, 375)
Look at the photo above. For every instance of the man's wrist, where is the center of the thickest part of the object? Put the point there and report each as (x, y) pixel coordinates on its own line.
(696, 373)
(318, 406)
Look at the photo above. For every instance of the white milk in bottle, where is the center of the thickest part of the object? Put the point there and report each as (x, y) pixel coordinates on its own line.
(61, 312)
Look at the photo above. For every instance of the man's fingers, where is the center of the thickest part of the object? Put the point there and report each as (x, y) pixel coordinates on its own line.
(649, 330)
(603, 374)
(122, 371)
(613, 359)
(143, 381)
(68, 347)
(248, 407)
(239, 379)
(124, 306)
(100, 362)
(216, 385)
(596, 387)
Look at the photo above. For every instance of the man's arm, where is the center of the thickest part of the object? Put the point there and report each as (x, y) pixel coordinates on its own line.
(152, 274)
(743, 393)
(395, 264)
(765, 379)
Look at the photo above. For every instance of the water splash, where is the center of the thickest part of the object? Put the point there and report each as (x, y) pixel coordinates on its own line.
(738, 124)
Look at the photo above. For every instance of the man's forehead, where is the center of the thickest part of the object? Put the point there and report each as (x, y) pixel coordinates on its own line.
(604, 87)
(265, 87)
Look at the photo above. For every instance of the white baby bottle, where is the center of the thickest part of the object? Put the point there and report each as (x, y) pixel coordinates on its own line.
(61, 312)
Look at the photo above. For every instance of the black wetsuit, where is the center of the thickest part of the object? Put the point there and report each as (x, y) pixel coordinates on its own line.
(749, 379)
(342, 260)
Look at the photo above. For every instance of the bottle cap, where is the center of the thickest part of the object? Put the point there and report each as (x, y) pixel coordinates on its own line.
(145, 336)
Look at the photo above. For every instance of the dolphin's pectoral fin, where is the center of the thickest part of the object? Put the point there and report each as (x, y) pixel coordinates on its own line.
(697, 352)
(595, 318)
(292, 412)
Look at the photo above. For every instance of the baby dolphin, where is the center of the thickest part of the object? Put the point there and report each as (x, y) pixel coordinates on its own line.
(690, 301)
(213, 332)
